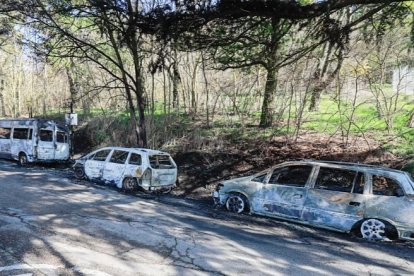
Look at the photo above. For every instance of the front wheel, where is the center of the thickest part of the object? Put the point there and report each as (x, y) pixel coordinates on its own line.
(129, 184)
(79, 172)
(378, 230)
(237, 203)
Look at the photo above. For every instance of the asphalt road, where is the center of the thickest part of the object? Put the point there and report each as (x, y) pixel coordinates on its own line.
(51, 225)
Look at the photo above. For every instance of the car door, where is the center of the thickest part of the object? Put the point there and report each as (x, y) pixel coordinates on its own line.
(62, 145)
(285, 193)
(94, 166)
(46, 145)
(134, 165)
(115, 167)
(336, 200)
(386, 200)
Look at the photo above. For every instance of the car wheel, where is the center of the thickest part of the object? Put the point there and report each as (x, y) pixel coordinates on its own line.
(377, 230)
(22, 159)
(236, 203)
(129, 184)
(79, 172)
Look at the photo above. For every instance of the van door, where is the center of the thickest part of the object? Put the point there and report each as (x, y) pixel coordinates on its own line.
(164, 170)
(285, 193)
(115, 167)
(62, 145)
(5, 142)
(95, 165)
(21, 142)
(337, 199)
(46, 145)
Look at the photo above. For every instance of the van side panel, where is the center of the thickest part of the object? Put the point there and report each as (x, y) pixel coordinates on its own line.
(21, 142)
(5, 139)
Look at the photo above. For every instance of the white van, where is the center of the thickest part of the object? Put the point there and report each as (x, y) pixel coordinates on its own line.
(129, 168)
(33, 140)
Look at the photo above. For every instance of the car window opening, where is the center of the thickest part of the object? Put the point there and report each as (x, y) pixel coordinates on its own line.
(291, 176)
(161, 162)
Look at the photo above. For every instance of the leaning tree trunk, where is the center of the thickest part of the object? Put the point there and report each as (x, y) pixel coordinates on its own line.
(139, 126)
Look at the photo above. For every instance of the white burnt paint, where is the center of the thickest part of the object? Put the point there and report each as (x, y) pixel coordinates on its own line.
(332, 207)
(36, 140)
(151, 169)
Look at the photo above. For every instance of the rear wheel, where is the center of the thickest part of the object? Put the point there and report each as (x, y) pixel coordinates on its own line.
(129, 184)
(22, 159)
(237, 203)
(378, 230)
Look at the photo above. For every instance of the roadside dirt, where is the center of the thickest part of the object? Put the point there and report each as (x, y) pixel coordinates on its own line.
(200, 171)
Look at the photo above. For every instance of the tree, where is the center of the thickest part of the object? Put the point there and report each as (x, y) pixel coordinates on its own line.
(105, 32)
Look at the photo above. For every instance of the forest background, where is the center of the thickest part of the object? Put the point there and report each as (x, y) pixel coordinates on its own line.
(229, 87)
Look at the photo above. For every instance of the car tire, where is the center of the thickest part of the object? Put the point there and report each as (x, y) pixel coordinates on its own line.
(22, 159)
(237, 203)
(79, 172)
(377, 230)
(129, 184)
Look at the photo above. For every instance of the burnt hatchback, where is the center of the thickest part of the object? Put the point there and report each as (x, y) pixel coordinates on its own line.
(375, 202)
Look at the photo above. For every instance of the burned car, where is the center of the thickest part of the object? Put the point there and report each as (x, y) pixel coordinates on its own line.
(129, 168)
(376, 203)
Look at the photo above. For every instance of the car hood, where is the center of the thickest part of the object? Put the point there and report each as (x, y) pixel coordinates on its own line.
(239, 180)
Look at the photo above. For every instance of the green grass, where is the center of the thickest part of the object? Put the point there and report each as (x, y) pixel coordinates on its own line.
(329, 119)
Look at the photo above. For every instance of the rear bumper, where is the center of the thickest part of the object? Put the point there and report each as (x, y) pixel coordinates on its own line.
(159, 188)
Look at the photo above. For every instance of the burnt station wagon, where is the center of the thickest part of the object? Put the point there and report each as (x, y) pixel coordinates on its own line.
(375, 202)
(129, 168)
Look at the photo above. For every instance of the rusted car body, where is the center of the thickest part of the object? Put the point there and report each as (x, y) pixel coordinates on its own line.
(129, 168)
(375, 202)
(33, 140)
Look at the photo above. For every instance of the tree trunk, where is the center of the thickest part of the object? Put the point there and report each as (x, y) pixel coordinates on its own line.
(2, 107)
(140, 129)
(176, 82)
(266, 118)
(72, 85)
(411, 120)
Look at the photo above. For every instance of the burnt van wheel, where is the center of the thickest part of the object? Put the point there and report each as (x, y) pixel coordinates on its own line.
(79, 172)
(129, 184)
(22, 159)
